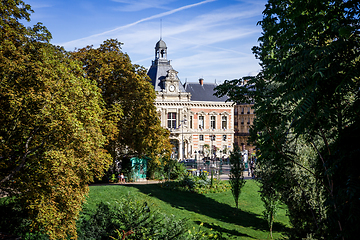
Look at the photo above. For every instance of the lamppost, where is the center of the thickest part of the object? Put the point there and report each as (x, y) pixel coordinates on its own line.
(195, 160)
(211, 147)
(182, 138)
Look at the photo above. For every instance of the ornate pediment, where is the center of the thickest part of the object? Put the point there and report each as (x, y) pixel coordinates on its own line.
(172, 75)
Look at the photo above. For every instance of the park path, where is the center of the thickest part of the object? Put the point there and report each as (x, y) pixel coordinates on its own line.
(144, 182)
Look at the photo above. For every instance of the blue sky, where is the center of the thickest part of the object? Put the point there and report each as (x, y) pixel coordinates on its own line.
(211, 39)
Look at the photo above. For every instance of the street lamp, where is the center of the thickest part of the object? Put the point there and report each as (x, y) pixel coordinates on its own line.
(182, 138)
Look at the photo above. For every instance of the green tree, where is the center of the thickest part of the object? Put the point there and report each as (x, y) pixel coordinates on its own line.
(236, 175)
(307, 105)
(271, 202)
(129, 99)
(206, 150)
(50, 125)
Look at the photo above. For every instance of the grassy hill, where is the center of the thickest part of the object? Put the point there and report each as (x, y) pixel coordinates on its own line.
(215, 211)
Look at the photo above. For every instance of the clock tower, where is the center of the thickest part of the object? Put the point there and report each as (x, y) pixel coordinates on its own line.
(164, 78)
(190, 111)
(171, 82)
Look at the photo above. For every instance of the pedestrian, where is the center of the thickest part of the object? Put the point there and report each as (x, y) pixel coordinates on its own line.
(252, 168)
(122, 178)
(119, 178)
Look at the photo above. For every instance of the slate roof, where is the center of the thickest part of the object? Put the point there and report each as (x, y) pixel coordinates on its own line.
(203, 92)
(158, 72)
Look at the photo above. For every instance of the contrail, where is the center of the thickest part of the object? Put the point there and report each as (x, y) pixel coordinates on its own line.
(142, 20)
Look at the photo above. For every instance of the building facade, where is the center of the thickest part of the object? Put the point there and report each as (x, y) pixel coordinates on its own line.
(244, 116)
(200, 124)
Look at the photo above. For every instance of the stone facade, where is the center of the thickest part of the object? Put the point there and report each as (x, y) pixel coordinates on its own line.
(200, 124)
(244, 115)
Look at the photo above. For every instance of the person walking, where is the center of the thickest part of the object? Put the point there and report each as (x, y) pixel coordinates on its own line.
(122, 178)
(252, 168)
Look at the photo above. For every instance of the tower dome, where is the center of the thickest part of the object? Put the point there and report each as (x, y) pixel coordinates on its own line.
(160, 50)
(160, 44)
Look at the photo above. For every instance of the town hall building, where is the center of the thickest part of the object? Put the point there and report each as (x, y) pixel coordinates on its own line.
(200, 124)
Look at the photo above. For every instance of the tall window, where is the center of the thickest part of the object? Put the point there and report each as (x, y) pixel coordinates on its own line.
(201, 122)
(224, 137)
(191, 121)
(171, 120)
(224, 122)
(212, 122)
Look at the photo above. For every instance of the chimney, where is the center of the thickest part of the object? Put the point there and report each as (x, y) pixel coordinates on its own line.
(201, 81)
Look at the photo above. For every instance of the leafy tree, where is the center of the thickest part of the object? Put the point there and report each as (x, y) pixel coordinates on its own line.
(50, 118)
(307, 105)
(271, 203)
(129, 99)
(206, 150)
(236, 175)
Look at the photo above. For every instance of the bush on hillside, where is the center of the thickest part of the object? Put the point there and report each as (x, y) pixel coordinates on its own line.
(198, 184)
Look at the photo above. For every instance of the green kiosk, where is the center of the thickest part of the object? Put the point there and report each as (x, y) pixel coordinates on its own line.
(139, 168)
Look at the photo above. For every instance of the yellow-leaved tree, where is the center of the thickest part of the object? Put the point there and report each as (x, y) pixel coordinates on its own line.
(51, 121)
(129, 98)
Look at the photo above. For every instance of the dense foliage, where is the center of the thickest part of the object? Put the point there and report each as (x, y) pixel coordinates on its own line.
(133, 217)
(62, 118)
(50, 125)
(129, 99)
(201, 184)
(307, 113)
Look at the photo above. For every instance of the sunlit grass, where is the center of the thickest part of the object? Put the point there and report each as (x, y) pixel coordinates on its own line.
(214, 210)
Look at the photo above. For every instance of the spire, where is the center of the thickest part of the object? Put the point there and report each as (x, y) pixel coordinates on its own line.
(160, 28)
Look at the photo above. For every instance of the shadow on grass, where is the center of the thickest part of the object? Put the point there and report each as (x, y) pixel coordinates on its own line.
(223, 230)
(209, 207)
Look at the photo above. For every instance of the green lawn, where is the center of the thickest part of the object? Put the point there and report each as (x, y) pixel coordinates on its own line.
(214, 210)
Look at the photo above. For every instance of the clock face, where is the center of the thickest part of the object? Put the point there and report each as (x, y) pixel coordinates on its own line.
(172, 88)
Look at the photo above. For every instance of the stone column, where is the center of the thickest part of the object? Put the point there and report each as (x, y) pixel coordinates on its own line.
(181, 150)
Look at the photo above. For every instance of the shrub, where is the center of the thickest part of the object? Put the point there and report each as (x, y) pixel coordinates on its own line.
(14, 220)
(131, 217)
(197, 184)
(175, 169)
